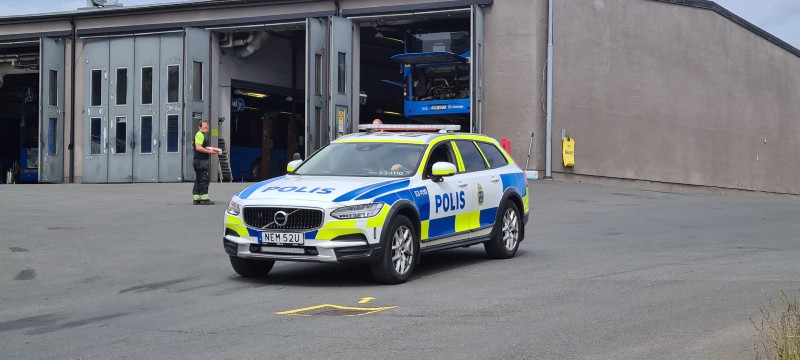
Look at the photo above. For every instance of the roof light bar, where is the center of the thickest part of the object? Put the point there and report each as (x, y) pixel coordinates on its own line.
(408, 127)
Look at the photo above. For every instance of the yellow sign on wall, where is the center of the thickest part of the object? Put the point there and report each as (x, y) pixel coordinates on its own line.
(568, 148)
(340, 114)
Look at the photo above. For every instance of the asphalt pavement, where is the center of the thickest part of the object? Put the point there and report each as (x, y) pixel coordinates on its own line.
(134, 271)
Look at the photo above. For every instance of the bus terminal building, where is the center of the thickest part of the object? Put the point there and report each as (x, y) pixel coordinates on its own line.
(671, 92)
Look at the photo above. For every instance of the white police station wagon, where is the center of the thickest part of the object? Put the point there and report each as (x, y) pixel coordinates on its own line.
(382, 198)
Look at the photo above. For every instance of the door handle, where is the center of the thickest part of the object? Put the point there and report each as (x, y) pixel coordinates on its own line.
(462, 184)
(494, 179)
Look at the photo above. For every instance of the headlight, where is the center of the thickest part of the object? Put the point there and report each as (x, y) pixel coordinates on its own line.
(357, 211)
(234, 208)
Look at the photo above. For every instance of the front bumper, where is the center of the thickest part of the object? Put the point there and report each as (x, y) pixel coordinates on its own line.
(328, 251)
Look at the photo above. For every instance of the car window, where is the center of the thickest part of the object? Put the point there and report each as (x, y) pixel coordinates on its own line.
(442, 152)
(364, 159)
(472, 158)
(493, 155)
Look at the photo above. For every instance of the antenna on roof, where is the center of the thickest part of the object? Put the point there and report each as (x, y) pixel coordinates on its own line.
(102, 3)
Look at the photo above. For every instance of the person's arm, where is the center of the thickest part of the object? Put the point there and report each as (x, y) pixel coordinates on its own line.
(198, 144)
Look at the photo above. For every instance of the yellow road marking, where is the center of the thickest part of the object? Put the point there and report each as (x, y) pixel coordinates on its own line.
(365, 311)
(365, 300)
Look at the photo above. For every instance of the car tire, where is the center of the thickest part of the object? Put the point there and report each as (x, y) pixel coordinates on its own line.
(251, 267)
(400, 247)
(508, 233)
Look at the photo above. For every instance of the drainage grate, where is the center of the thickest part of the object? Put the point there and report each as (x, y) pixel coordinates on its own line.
(333, 310)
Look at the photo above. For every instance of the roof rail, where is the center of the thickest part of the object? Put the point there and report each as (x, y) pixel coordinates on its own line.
(409, 127)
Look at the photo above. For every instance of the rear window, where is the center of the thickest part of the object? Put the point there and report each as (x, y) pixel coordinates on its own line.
(473, 161)
(493, 155)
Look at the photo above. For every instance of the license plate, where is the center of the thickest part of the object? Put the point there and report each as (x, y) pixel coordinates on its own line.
(281, 238)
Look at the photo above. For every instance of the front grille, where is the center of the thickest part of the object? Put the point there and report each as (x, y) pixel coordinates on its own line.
(297, 219)
(282, 250)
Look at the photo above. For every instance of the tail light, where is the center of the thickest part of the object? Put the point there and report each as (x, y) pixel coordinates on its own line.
(405, 90)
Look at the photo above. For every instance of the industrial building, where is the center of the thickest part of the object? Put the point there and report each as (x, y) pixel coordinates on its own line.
(675, 92)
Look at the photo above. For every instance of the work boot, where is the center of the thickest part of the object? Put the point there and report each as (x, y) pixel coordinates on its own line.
(197, 202)
(206, 202)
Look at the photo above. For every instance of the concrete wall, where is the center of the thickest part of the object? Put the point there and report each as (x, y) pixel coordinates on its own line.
(669, 93)
(516, 53)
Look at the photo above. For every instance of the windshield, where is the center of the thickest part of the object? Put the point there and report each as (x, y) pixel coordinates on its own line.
(364, 159)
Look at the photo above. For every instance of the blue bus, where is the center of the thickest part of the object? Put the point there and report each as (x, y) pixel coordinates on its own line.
(436, 72)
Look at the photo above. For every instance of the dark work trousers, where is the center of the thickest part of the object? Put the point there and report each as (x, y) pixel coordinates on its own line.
(202, 177)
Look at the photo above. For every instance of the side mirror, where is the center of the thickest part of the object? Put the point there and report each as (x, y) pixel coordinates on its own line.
(442, 169)
(293, 165)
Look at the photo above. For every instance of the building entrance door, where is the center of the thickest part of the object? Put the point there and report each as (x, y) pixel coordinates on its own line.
(51, 117)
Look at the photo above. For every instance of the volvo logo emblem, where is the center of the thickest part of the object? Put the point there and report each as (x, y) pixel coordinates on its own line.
(280, 218)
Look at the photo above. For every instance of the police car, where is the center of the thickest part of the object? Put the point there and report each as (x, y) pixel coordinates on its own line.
(382, 198)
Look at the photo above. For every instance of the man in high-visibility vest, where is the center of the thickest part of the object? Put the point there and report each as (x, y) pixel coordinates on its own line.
(202, 153)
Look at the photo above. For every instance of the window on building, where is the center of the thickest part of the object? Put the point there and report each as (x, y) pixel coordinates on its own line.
(53, 90)
(96, 91)
(317, 74)
(122, 87)
(147, 85)
(52, 136)
(146, 135)
(173, 81)
(197, 80)
(172, 133)
(96, 135)
(121, 134)
(342, 77)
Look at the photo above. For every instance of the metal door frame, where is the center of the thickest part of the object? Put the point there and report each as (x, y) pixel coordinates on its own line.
(196, 48)
(341, 43)
(121, 55)
(171, 54)
(51, 57)
(145, 165)
(316, 78)
(95, 165)
(476, 68)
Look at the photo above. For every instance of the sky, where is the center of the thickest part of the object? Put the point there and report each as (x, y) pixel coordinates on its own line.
(779, 17)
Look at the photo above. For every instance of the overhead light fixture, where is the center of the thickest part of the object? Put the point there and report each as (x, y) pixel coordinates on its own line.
(251, 94)
(289, 98)
(379, 35)
(387, 112)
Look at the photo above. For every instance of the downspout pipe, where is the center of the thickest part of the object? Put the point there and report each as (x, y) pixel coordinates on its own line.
(548, 173)
(338, 8)
(71, 146)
